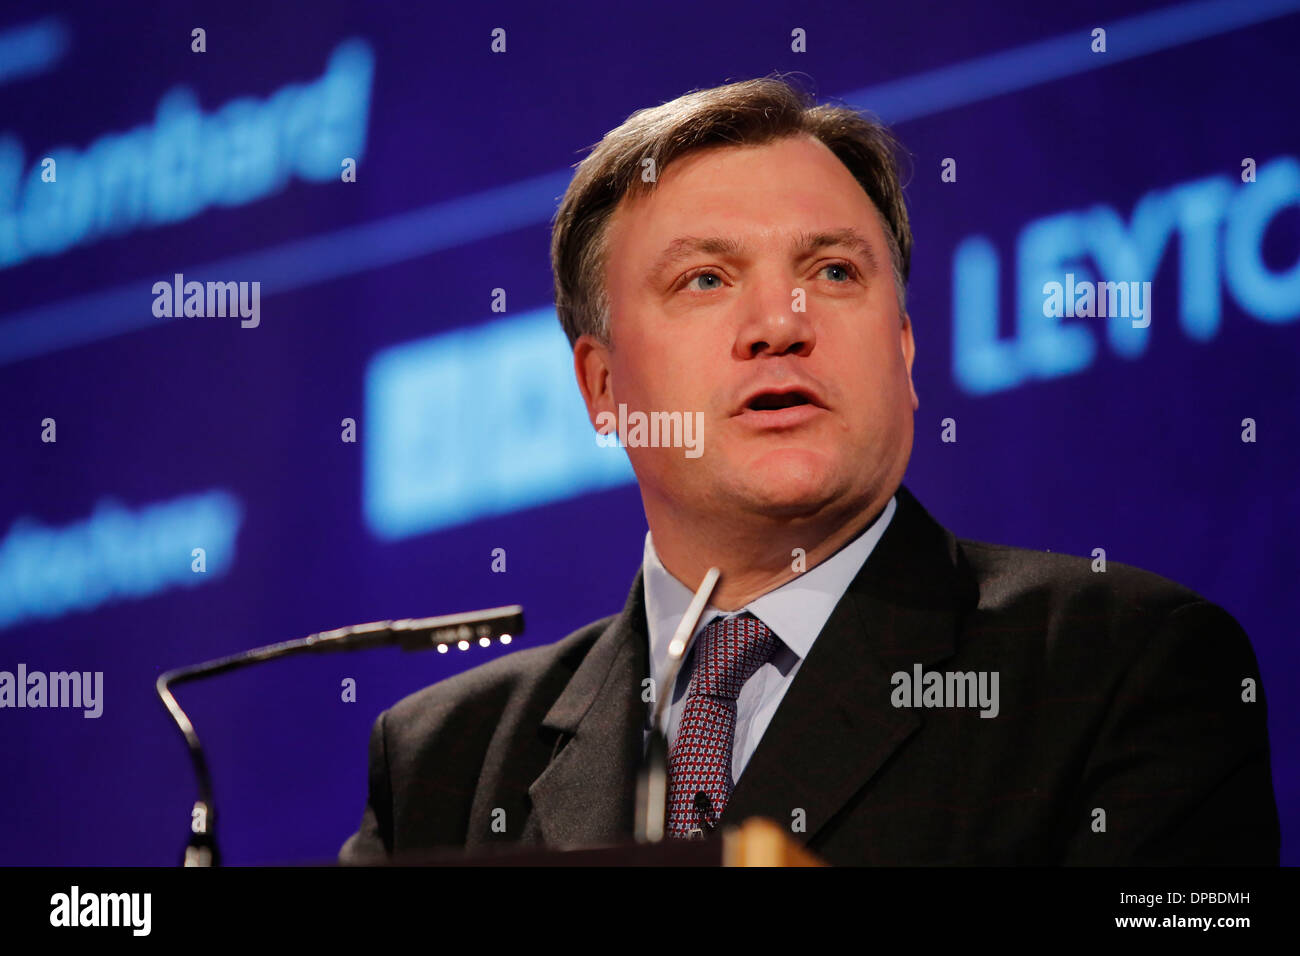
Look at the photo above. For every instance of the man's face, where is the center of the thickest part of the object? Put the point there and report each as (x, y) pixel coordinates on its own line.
(785, 303)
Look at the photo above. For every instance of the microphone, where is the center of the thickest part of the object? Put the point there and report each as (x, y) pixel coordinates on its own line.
(652, 782)
(411, 634)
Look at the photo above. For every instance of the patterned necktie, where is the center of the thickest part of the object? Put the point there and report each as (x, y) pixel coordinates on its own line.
(729, 653)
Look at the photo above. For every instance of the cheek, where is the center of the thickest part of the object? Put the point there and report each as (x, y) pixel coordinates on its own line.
(664, 376)
(878, 386)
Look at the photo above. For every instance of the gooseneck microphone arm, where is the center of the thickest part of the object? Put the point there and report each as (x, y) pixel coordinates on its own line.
(411, 634)
(652, 786)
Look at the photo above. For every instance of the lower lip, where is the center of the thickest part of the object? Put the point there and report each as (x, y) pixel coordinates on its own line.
(780, 417)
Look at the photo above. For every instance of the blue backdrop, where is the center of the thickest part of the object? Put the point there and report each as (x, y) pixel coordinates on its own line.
(132, 436)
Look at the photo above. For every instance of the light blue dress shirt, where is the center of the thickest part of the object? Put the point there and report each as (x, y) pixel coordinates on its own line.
(795, 612)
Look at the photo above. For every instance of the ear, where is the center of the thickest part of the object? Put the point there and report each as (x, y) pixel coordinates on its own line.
(595, 380)
(909, 352)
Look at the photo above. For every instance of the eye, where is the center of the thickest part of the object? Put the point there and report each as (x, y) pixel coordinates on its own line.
(846, 268)
(704, 274)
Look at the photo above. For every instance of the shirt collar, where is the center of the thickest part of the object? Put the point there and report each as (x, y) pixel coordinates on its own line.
(796, 611)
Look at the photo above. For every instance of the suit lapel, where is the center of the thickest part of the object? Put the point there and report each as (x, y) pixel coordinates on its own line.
(586, 795)
(835, 728)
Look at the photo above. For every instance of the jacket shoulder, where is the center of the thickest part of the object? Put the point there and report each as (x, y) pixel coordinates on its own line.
(1098, 587)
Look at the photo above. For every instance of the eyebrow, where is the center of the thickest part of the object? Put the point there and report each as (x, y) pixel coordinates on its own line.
(804, 244)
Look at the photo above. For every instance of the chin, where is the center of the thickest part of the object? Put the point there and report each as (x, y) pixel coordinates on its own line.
(790, 491)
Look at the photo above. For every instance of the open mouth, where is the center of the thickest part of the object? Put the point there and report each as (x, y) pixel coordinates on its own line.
(771, 402)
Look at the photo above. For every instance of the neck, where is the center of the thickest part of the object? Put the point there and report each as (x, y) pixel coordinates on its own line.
(755, 555)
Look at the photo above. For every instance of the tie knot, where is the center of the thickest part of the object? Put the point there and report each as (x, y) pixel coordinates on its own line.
(729, 653)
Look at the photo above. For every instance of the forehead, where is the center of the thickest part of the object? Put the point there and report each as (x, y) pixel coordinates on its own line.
(762, 194)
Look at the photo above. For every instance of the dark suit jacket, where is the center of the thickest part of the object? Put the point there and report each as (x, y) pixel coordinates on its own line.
(1120, 692)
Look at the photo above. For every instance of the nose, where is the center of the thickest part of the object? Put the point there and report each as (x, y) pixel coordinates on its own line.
(772, 325)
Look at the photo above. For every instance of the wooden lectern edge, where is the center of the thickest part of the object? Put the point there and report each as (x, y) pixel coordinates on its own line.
(760, 842)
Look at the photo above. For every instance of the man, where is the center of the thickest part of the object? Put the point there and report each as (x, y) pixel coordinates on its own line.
(890, 693)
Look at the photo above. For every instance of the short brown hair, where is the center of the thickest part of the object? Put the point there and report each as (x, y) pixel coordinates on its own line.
(751, 112)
